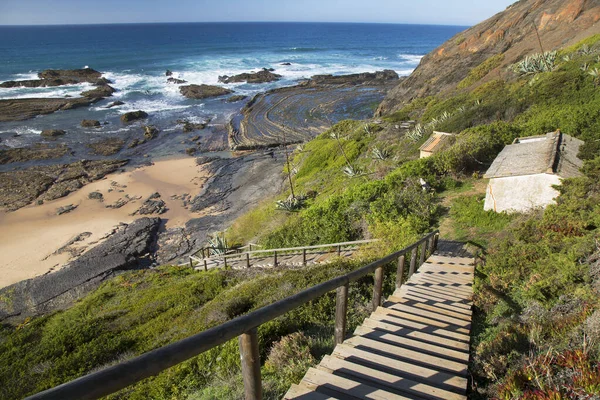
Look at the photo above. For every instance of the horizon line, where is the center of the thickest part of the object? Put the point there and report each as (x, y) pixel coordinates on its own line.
(230, 22)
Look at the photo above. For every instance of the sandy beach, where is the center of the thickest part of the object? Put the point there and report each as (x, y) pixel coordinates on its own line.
(31, 236)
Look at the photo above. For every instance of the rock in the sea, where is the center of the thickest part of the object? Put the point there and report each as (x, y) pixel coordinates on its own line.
(22, 109)
(90, 123)
(79, 75)
(262, 76)
(101, 91)
(203, 91)
(150, 132)
(135, 143)
(168, 73)
(190, 151)
(52, 132)
(176, 81)
(65, 209)
(286, 63)
(236, 98)
(191, 126)
(39, 151)
(96, 196)
(133, 116)
(115, 103)
(129, 247)
(107, 147)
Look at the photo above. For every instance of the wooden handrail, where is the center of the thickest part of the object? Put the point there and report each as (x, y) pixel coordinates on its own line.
(271, 251)
(120, 376)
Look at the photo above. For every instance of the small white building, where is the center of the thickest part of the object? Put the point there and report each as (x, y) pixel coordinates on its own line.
(437, 142)
(524, 173)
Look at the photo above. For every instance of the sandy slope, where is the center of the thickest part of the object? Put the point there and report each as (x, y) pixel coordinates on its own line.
(30, 236)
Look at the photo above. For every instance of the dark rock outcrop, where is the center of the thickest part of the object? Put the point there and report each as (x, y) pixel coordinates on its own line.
(51, 133)
(39, 151)
(65, 209)
(133, 116)
(90, 123)
(203, 91)
(168, 73)
(22, 109)
(191, 126)
(236, 98)
(176, 81)
(115, 103)
(101, 91)
(511, 33)
(59, 77)
(96, 196)
(150, 132)
(107, 147)
(21, 188)
(152, 205)
(127, 249)
(262, 76)
(365, 78)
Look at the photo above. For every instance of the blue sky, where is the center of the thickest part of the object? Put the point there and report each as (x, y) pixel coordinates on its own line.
(444, 12)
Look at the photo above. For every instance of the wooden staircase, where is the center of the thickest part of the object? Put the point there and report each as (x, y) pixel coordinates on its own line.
(415, 346)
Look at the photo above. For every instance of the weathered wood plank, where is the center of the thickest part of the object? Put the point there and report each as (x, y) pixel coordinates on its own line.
(424, 320)
(322, 379)
(434, 291)
(381, 378)
(437, 339)
(401, 368)
(428, 310)
(303, 392)
(422, 324)
(392, 351)
(376, 334)
(408, 298)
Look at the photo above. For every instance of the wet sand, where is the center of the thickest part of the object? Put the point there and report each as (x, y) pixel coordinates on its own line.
(30, 236)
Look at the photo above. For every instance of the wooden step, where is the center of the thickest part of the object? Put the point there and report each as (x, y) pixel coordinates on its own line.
(438, 292)
(409, 298)
(422, 324)
(412, 356)
(407, 332)
(407, 342)
(374, 377)
(328, 383)
(303, 392)
(432, 296)
(424, 320)
(410, 371)
(427, 309)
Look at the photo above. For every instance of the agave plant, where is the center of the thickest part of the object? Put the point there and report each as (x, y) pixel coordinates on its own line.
(536, 63)
(351, 171)
(379, 153)
(586, 50)
(567, 58)
(595, 73)
(585, 67)
(217, 245)
(291, 204)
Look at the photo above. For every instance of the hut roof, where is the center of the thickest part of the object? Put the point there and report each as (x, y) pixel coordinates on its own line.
(436, 142)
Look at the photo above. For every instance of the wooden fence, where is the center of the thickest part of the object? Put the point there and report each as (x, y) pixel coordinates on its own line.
(120, 376)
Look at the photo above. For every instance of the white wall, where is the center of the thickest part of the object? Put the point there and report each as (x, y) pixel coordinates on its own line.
(521, 193)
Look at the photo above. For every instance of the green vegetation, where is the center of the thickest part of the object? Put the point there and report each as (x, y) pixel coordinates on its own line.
(481, 71)
(536, 318)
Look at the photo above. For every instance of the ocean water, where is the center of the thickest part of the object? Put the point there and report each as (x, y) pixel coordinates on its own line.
(135, 57)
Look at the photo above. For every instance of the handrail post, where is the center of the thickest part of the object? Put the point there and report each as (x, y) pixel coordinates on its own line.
(413, 261)
(250, 365)
(430, 245)
(304, 257)
(341, 308)
(225, 261)
(400, 271)
(435, 241)
(339, 251)
(422, 255)
(205, 265)
(275, 259)
(377, 288)
(250, 247)
(191, 263)
(247, 260)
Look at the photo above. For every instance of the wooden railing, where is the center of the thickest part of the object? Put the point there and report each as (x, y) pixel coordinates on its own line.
(120, 376)
(223, 259)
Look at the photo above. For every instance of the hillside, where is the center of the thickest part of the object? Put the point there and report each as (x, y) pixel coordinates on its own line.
(511, 34)
(536, 330)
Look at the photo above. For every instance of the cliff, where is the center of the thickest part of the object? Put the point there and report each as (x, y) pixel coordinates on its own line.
(512, 33)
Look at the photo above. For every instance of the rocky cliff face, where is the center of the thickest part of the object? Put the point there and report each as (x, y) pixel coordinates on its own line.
(512, 32)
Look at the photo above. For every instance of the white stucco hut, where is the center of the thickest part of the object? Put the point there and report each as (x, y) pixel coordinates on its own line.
(522, 176)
